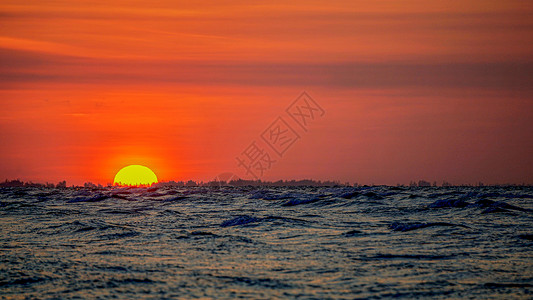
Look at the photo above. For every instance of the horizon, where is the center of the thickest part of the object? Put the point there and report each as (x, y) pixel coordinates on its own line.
(251, 182)
(373, 93)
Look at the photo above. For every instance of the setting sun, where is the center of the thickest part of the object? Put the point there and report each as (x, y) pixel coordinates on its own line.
(135, 175)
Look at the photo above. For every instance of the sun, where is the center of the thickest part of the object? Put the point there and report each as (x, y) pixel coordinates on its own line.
(135, 175)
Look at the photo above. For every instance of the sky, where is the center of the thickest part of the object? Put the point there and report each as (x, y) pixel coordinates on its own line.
(396, 90)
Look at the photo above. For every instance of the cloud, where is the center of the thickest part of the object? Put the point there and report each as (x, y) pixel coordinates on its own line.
(23, 67)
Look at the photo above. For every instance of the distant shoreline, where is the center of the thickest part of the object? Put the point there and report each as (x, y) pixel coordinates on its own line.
(253, 183)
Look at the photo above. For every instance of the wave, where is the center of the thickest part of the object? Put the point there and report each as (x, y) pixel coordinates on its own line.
(490, 206)
(240, 220)
(505, 195)
(412, 256)
(23, 281)
(250, 281)
(294, 202)
(352, 233)
(456, 203)
(507, 285)
(414, 226)
(526, 237)
(175, 198)
(373, 196)
(99, 198)
(95, 198)
(120, 235)
(244, 220)
(350, 195)
(494, 206)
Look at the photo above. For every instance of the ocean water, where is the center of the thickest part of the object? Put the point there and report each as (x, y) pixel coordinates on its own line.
(264, 243)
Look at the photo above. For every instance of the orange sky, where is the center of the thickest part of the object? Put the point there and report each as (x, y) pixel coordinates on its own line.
(434, 90)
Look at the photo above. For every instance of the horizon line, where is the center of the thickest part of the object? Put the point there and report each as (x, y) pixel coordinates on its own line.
(253, 182)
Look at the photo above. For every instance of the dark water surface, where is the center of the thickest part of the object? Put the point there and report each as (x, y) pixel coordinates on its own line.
(266, 243)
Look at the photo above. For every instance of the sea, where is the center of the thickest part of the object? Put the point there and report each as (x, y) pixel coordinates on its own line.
(266, 243)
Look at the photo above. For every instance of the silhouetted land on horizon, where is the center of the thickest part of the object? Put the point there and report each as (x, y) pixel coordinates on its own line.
(242, 182)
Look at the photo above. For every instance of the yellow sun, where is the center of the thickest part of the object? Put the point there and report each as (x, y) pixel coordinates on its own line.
(135, 175)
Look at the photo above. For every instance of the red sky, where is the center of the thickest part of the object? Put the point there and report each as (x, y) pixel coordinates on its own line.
(434, 90)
